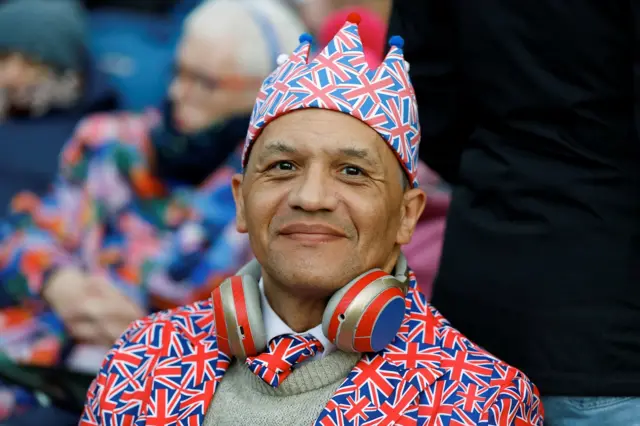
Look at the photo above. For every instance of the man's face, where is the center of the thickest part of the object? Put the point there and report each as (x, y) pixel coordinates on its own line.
(322, 201)
(207, 86)
(19, 78)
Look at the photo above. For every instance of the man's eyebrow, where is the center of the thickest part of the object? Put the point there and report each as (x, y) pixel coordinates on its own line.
(280, 147)
(361, 154)
(276, 147)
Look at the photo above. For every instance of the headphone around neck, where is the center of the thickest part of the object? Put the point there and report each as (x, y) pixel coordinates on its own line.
(363, 316)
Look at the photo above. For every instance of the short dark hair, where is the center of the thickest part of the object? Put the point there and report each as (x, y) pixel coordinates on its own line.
(406, 185)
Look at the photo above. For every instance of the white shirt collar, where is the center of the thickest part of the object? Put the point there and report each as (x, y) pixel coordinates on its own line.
(274, 326)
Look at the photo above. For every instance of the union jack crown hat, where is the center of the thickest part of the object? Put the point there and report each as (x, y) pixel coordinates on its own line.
(339, 79)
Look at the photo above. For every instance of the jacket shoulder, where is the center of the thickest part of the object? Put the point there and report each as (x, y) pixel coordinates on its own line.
(426, 326)
(193, 322)
(174, 337)
(484, 385)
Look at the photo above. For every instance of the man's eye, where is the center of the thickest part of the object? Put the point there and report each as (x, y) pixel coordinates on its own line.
(352, 171)
(283, 166)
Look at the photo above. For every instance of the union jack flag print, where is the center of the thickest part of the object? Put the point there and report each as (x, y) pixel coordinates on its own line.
(274, 365)
(166, 368)
(339, 79)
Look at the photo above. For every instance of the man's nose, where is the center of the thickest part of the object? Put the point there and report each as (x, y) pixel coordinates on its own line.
(313, 191)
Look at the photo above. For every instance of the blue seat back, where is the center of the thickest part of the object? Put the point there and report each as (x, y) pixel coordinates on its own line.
(136, 51)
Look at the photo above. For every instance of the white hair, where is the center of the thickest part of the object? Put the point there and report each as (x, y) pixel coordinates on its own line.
(242, 22)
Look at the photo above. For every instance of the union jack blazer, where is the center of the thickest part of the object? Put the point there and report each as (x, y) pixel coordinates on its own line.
(165, 369)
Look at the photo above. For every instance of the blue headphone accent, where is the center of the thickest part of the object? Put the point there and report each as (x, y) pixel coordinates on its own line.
(273, 42)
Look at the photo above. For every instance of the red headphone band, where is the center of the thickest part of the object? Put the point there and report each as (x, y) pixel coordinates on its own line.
(242, 317)
(220, 323)
(348, 297)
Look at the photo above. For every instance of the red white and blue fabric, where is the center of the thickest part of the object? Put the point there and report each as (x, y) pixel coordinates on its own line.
(283, 353)
(339, 79)
(165, 370)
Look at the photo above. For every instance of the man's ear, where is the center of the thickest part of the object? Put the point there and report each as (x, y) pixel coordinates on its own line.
(413, 201)
(236, 187)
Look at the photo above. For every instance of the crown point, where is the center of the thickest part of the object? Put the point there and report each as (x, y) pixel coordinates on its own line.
(354, 18)
(306, 38)
(396, 41)
(282, 58)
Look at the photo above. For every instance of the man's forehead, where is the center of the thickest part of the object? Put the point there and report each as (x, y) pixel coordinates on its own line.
(321, 131)
(353, 150)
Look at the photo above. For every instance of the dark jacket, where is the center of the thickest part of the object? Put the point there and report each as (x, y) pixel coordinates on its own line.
(155, 6)
(29, 147)
(531, 108)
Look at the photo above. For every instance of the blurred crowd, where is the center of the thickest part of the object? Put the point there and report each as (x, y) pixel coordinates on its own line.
(121, 125)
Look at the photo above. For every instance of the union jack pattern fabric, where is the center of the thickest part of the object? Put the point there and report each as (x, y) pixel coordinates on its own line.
(339, 79)
(283, 353)
(165, 369)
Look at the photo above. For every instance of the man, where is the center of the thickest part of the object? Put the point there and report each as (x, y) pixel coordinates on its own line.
(328, 195)
(141, 217)
(532, 110)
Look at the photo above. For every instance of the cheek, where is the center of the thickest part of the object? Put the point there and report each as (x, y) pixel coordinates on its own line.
(261, 206)
(375, 221)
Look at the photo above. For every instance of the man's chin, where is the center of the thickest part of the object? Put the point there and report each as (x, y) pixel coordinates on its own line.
(312, 283)
(319, 271)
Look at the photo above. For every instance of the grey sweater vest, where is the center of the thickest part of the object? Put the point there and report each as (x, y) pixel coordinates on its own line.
(242, 398)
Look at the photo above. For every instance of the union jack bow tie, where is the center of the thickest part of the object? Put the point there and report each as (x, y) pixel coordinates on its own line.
(285, 351)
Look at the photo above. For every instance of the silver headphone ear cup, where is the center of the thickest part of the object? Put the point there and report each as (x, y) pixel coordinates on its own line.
(332, 304)
(238, 317)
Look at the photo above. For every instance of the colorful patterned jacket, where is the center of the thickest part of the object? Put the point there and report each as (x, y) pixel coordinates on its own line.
(162, 245)
(166, 368)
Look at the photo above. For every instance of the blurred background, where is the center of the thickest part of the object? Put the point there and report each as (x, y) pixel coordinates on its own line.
(135, 40)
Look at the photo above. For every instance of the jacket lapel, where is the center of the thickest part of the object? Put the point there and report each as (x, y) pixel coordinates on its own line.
(386, 386)
(185, 376)
(202, 372)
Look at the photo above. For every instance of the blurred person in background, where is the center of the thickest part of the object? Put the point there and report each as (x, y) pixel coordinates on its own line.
(47, 84)
(142, 216)
(531, 109)
(312, 12)
(379, 7)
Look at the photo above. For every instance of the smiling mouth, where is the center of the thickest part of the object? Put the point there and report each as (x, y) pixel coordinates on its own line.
(311, 238)
(312, 233)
